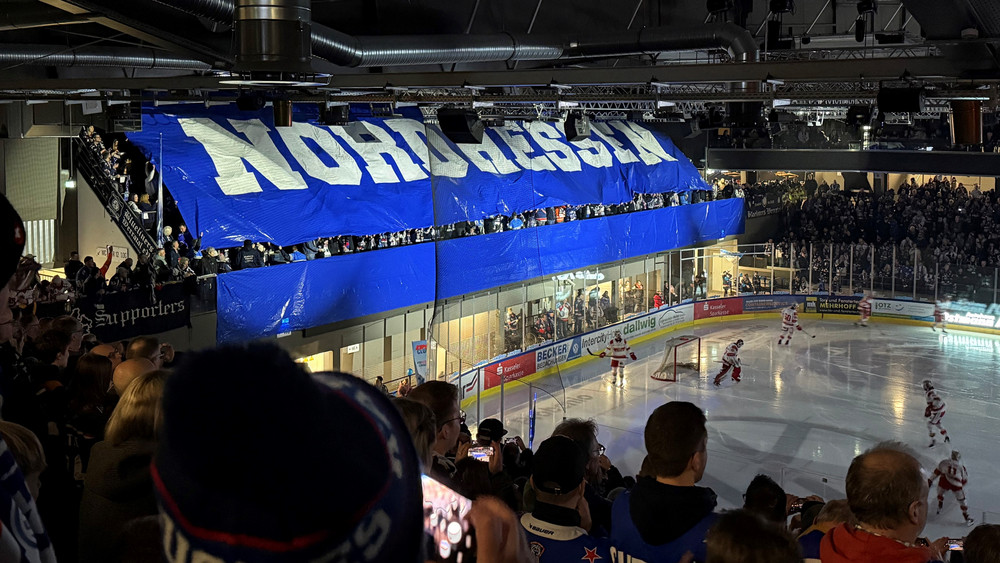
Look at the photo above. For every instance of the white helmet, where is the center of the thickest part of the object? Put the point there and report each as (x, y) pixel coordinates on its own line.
(739, 343)
(927, 385)
(956, 456)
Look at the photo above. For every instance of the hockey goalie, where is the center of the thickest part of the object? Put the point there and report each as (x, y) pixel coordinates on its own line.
(620, 353)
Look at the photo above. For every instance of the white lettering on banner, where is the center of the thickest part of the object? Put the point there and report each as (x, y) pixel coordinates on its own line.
(548, 138)
(497, 163)
(342, 171)
(972, 319)
(619, 557)
(649, 149)
(600, 158)
(514, 136)
(376, 145)
(427, 144)
(231, 155)
(603, 131)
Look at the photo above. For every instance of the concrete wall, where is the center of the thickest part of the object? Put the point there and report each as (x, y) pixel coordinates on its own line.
(96, 230)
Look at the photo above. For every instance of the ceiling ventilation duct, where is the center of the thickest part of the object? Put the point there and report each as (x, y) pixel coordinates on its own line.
(399, 50)
(273, 39)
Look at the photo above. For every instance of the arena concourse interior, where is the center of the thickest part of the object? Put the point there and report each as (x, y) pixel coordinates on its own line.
(384, 281)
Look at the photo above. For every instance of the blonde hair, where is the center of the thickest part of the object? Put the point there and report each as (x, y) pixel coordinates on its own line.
(419, 419)
(135, 416)
(24, 446)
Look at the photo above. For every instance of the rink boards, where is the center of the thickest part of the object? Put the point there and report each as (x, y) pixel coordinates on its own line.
(537, 363)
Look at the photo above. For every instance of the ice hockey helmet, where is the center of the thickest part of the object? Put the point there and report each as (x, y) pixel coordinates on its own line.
(794, 306)
(955, 455)
(739, 342)
(927, 385)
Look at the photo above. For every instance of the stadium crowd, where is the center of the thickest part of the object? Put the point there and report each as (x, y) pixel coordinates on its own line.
(941, 232)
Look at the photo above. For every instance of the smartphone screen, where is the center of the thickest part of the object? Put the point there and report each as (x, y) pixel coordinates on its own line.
(481, 453)
(446, 522)
(956, 544)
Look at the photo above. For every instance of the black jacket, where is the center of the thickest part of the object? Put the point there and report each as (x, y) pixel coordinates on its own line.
(663, 513)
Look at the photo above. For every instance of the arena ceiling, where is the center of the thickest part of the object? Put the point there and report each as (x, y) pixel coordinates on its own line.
(617, 56)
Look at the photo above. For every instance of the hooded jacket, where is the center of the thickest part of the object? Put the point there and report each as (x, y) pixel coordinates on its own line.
(844, 544)
(659, 522)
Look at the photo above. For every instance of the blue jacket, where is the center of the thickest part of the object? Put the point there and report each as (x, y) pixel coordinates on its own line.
(656, 523)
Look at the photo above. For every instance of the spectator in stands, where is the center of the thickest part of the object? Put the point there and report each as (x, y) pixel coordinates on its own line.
(90, 403)
(584, 433)
(133, 204)
(766, 499)
(442, 398)
(149, 347)
(982, 545)
(419, 420)
(73, 265)
(833, 514)
(297, 255)
(208, 437)
(173, 255)
(739, 536)
(114, 352)
(249, 256)
(209, 263)
(665, 516)
(887, 493)
(28, 453)
(557, 526)
(118, 486)
(128, 371)
(122, 279)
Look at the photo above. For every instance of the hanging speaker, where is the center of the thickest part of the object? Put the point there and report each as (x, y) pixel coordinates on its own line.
(251, 101)
(577, 126)
(282, 113)
(966, 122)
(901, 100)
(461, 125)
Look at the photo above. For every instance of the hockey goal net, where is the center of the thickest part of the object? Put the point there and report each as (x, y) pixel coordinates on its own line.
(679, 354)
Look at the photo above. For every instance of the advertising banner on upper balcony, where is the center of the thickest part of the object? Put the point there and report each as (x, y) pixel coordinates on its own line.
(236, 176)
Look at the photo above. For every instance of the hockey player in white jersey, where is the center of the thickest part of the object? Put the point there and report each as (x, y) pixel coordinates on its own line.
(731, 359)
(789, 324)
(953, 477)
(934, 413)
(864, 311)
(620, 352)
(938, 318)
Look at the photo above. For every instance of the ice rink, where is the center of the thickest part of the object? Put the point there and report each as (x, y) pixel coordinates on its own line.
(801, 412)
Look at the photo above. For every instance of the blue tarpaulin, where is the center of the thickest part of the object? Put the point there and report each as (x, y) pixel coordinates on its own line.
(266, 301)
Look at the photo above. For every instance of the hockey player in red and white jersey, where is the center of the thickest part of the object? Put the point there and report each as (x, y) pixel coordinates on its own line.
(620, 352)
(789, 324)
(934, 413)
(864, 310)
(731, 359)
(938, 318)
(953, 477)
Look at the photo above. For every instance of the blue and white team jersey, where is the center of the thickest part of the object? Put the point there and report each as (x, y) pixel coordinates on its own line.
(552, 543)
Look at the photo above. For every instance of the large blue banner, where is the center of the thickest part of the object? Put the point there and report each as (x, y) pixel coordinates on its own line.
(236, 176)
(261, 302)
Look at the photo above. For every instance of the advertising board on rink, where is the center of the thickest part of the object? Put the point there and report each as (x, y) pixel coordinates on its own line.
(902, 309)
(770, 302)
(845, 304)
(718, 308)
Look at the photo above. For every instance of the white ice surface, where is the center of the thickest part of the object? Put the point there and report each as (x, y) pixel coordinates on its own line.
(801, 412)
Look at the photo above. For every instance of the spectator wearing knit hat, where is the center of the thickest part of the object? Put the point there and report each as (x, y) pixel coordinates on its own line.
(557, 527)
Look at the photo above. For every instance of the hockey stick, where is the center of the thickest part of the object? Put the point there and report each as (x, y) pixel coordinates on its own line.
(806, 333)
(593, 354)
